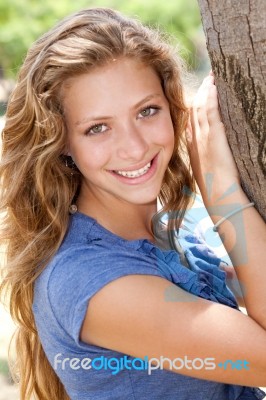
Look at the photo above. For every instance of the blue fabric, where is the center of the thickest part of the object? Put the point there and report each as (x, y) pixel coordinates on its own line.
(89, 258)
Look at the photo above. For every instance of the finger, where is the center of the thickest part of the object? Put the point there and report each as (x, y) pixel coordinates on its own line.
(213, 114)
(189, 132)
(229, 270)
(201, 120)
(201, 96)
(194, 124)
(198, 116)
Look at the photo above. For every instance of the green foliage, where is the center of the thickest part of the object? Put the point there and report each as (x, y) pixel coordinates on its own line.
(23, 21)
(4, 369)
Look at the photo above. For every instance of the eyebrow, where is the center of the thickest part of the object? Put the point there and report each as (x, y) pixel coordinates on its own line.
(105, 117)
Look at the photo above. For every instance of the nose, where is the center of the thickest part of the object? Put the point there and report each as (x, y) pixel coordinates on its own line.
(132, 144)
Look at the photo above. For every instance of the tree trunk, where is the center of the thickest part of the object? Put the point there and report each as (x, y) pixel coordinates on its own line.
(236, 35)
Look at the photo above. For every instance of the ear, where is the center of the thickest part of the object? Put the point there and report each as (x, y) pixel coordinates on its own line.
(66, 151)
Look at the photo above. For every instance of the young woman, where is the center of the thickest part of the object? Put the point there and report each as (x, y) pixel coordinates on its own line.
(110, 302)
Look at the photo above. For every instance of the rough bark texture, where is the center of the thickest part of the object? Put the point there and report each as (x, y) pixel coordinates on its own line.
(235, 32)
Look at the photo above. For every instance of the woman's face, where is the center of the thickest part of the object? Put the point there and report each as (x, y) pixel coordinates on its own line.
(120, 132)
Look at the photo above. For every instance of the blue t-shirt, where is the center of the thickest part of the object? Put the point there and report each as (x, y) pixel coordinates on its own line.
(89, 258)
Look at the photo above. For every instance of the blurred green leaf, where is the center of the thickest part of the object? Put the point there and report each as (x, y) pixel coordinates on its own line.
(4, 369)
(23, 21)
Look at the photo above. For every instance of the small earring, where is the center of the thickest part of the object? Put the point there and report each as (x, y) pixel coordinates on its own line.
(73, 209)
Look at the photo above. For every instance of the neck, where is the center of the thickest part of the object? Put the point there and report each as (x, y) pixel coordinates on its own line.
(129, 221)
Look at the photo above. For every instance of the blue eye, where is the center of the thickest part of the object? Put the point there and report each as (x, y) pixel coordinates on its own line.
(96, 129)
(149, 111)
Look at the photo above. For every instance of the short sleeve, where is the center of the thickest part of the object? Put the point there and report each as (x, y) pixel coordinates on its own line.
(82, 272)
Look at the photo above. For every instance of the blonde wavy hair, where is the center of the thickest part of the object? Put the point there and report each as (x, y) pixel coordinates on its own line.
(36, 185)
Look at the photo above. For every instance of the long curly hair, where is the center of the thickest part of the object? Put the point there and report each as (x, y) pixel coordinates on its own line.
(37, 186)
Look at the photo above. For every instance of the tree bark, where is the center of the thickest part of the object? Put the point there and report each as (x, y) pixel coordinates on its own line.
(236, 41)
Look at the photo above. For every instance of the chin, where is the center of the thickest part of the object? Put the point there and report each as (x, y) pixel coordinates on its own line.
(142, 200)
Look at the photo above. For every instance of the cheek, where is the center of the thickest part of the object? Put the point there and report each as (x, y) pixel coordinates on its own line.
(169, 141)
(90, 157)
(166, 134)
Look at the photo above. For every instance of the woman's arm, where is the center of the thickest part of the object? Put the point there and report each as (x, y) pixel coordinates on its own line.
(132, 315)
(244, 234)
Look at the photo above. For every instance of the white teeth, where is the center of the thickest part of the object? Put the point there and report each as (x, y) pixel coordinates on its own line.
(134, 174)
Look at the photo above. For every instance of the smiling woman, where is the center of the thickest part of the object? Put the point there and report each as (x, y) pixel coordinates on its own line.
(131, 146)
(99, 279)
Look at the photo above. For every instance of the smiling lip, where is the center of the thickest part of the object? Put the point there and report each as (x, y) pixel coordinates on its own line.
(138, 179)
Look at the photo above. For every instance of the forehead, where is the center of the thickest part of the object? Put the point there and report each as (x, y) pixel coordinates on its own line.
(120, 83)
(111, 73)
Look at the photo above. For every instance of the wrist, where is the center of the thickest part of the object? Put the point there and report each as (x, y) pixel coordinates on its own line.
(231, 214)
(221, 194)
(221, 203)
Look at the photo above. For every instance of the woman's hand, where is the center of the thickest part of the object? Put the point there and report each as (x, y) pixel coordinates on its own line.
(211, 159)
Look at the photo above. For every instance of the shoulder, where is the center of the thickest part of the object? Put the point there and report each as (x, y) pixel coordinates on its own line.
(88, 259)
(78, 271)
